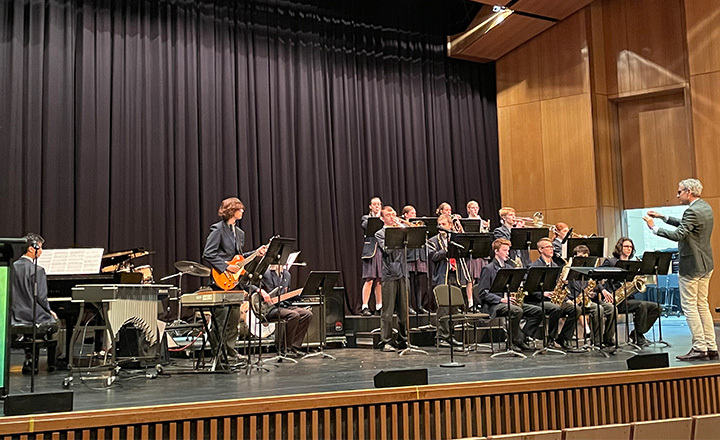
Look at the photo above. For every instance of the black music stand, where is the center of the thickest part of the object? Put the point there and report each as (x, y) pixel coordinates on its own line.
(527, 238)
(374, 224)
(657, 263)
(475, 245)
(406, 238)
(542, 279)
(320, 282)
(597, 274)
(508, 280)
(471, 225)
(278, 249)
(583, 262)
(633, 269)
(596, 245)
(430, 231)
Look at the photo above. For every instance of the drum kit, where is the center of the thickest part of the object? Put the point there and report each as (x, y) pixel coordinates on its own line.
(123, 261)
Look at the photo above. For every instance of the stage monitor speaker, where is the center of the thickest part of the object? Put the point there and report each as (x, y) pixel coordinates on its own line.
(38, 403)
(335, 312)
(649, 360)
(401, 378)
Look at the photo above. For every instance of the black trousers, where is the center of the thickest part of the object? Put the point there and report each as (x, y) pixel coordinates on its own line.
(645, 313)
(297, 321)
(395, 300)
(515, 314)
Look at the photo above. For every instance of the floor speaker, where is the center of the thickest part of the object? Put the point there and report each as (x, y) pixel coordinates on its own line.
(401, 378)
(649, 360)
(38, 403)
(335, 312)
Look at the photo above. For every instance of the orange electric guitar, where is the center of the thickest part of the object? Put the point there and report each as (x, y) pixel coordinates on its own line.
(227, 280)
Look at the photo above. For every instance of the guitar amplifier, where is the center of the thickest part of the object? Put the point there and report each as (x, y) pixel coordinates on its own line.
(334, 318)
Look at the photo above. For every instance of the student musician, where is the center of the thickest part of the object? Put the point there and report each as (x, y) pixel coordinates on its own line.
(476, 264)
(645, 313)
(578, 291)
(224, 242)
(23, 296)
(443, 208)
(508, 220)
(297, 319)
(371, 262)
(394, 287)
(561, 231)
(495, 303)
(553, 311)
(418, 268)
(445, 271)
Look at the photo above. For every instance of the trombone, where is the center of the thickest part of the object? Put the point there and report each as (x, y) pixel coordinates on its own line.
(536, 221)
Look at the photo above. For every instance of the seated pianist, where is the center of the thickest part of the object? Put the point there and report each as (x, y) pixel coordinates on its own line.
(23, 284)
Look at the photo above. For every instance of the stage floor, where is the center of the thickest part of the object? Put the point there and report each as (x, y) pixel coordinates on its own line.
(353, 369)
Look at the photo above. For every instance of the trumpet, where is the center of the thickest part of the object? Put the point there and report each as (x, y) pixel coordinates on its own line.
(573, 234)
(537, 220)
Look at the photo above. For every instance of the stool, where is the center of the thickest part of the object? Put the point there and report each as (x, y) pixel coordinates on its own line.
(22, 338)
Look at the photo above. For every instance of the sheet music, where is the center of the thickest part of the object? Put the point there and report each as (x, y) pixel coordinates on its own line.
(71, 261)
(291, 259)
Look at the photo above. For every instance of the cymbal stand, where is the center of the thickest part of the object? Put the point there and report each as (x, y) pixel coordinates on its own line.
(179, 276)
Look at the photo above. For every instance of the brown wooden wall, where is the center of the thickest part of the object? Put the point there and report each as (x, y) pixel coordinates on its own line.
(425, 412)
(609, 109)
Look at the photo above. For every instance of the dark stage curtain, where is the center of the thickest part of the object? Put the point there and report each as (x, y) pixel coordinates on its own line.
(124, 124)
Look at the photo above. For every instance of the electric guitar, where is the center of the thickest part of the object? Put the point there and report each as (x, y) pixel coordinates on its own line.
(261, 306)
(227, 280)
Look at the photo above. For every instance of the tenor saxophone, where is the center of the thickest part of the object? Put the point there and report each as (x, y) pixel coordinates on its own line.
(585, 295)
(519, 297)
(561, 291)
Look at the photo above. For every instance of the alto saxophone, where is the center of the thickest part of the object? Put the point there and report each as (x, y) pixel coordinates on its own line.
(519, 297)
(629, 288)
(584, 297)
(561, 291)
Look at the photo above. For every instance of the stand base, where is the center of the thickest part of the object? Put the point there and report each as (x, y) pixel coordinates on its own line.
(667, 344)
(596, 349)
(319, 353)
(546, 350)
(280, 358)
(509, 352)
(452, 365)
(412, 349)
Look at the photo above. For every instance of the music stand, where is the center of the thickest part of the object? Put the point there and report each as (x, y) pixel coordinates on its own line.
(540, 279)
(374, 224)
(596, 245)
(508, 280)
(406, 238)
(320, 282)
(599, 273)
(583, 262)
(657, 263)
(278, 248)
(527, 238)
(471, 225)
(431, 231)
(633, 269)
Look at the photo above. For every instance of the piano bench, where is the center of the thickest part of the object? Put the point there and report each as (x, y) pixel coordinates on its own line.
(22, 338)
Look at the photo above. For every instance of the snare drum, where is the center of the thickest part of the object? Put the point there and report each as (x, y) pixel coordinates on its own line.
(147, 272)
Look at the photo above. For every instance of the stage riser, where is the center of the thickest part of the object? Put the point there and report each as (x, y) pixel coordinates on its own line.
(429, 412)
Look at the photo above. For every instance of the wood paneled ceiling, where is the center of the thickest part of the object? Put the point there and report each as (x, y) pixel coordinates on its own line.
(502, 25)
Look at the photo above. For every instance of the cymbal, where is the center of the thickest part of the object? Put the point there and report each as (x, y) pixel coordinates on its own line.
(192, 268)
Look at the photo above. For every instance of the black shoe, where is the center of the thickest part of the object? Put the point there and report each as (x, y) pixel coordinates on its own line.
(402, 345)
(365, 312)
(378, 312)
(522, 345)
(694, 355)
(422, 311)
(412, 311)
(27, 367)
(712, 355)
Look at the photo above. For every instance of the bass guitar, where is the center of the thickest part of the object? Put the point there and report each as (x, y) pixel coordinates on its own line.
(261, 306)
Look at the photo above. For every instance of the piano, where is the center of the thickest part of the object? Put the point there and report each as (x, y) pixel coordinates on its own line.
(60, 295)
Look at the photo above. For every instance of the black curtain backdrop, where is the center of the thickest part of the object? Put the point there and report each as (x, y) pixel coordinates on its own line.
(124, 124)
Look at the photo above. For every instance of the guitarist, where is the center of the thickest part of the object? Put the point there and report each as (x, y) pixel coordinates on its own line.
(224, 242)
(297, 319)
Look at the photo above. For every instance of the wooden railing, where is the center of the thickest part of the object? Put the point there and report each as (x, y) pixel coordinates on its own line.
(424, 412)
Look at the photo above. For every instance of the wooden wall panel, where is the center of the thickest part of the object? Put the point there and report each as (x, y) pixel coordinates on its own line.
(583, 220)
(517, 75)
(604, 165)
(609, 223)
(705, 92)
(702, 18)
(615, 42)
(568, 152)
(632, 137)
(564, 58)
(656, 43)
(521, 156)
(666, 156)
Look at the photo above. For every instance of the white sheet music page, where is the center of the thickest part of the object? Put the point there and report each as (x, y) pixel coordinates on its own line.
(71, 261)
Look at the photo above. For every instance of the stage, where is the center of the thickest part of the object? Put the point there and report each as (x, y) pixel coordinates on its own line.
(353, 369)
